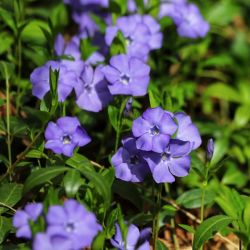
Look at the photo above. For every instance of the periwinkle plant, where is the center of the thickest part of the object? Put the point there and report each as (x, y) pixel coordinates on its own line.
(158, 143)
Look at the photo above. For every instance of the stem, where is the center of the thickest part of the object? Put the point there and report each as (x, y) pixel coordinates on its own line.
(5, 205)
(119, 125)
(176, 242)
(156, 217)
(204, 186)
(203, 191)
(8, 115)
(19, 55)
(172, 223)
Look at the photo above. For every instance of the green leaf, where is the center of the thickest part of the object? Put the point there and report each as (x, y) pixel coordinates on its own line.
(242, 115)
(10, 194)
(98, 242)
(110, 223)
(6, 41)
(113, 113)
(41, 176)
(118, 45)
(160, 245)
(34, 153)
(99, 182)
(8, 19)
(72, 182)
(208, 228)
(6, 69)
(187, 228)
(246, 217)
(59, 16)
(223, 92)
(129, 192)
(87, 48)
(78, 159)
(192, 198)
(5, 227)
(234, 176)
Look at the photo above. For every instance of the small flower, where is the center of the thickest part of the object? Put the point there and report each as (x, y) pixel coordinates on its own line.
(63, 136)
(43, 241)
(187, 131)
(129, 163)
(210, 149)
(70, 49)
(141, 33)
(135, 239)
(127, 76)
(40, 80)
(74, 222)
(153, 129)
(93, 93)
(22, 217)
(171, 9)
(172, 161)
(192, 24)
(136, 35)
(156, 37)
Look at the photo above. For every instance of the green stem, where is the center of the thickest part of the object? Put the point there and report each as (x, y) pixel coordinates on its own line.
(203, 191)
(119, 124)
(156, 216)
(176, 242)
(8, 115)
(19, 55)
(172, 223)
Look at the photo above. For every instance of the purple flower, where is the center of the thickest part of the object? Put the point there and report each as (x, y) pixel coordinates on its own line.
(93, 93)
(129, 163)
(153, 129)
(192, 24)
(172, 8)
(43, 241)
(40, 80)
(128, 76)
(63, 136)
(74, 222)
(210, 149)
(135, 239)
(156, 37)
(136, 33)
(70, 49)
(22, 217)
(172, 161)
(187, 131)
(78, 3)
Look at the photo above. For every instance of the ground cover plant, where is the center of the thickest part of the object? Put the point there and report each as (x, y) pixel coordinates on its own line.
(125, 124)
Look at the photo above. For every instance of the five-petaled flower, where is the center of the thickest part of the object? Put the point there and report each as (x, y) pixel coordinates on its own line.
(127, 76)
(74, 222)
(129, 163)
(21, 219)
(65, 135)
(153, 129)
(92, 91)
(135, 240)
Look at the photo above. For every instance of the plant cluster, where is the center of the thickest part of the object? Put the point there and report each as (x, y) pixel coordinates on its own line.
(97, 128)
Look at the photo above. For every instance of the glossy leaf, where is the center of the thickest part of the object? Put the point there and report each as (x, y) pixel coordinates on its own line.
(10, 194)
(41, 176)
(208, 228)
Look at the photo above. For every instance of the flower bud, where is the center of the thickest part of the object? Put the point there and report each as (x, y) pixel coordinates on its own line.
(210, 149)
